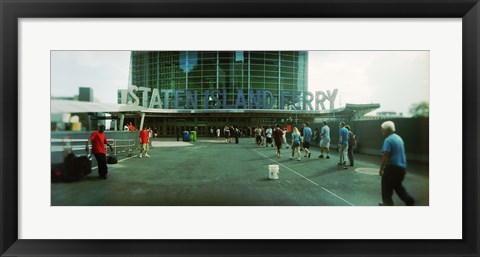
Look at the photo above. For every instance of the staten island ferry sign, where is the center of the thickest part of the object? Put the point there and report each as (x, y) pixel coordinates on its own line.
(244, 99)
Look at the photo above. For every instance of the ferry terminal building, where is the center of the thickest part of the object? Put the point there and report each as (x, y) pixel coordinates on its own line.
(198, 90)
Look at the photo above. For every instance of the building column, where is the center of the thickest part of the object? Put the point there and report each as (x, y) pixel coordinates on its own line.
(122, 120)
(142, 121)
(164, 126)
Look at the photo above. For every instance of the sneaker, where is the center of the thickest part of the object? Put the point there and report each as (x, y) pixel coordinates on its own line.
(299, 159)
(345, 167)
(328, 157)
(339, 164)
(140, 156)
(321, 156)
(309, 155)
(146, 155)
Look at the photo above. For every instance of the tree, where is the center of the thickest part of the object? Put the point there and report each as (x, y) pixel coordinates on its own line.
(419, 109)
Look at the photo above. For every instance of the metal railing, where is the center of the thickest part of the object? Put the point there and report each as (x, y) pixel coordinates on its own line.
(120, 146)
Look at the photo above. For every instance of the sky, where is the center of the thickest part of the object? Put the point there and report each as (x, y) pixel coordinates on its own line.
(394, 79)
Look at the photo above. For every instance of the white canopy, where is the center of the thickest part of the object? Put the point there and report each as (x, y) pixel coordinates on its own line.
(71, 106)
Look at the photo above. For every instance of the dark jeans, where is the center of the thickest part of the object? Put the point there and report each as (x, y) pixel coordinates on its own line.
(102, 164)
(350, 154)
(392, 180)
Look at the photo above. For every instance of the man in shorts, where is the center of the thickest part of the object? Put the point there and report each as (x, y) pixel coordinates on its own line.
(325, 140)
(307, 136)
(277, 135)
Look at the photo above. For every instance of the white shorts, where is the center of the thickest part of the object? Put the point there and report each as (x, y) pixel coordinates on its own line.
(325, 143)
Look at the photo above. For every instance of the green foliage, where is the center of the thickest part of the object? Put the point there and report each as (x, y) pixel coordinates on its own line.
(420, 109)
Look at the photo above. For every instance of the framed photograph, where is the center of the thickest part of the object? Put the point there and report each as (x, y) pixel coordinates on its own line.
(187, 103)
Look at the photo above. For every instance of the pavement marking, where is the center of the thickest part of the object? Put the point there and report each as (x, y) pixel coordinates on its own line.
(367, 171)
(338, 196)
(170, 143)
(128, 158)
(326, 190)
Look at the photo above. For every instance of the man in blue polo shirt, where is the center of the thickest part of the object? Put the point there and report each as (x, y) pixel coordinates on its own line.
(307, 136)
(343, 145)
(393, 166)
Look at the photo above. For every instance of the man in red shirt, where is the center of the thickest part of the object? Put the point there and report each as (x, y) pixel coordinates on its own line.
(144, 142)
(278, 137)
(99, 140)
(131, 127)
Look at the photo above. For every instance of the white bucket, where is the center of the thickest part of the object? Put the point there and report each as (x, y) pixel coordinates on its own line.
(273, 171)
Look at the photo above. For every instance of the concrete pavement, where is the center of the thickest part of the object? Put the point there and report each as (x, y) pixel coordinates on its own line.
(210, 172)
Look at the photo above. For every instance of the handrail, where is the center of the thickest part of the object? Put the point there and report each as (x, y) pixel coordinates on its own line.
(74, 145)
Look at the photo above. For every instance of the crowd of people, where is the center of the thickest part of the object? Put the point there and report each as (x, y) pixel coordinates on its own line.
(392, 167)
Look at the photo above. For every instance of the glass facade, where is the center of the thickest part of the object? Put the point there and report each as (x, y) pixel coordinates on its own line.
(223, 72)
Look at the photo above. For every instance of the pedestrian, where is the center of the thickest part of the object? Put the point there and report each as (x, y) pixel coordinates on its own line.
(155, 132)
(177, 133)
(263, 136)
(99, 140)
(296, 143)
(351, 143)
(307, 136)
(316, 137)
(277, 135)
(343, 145)
(125, 128)
(144, 142)
(258, 135)
(285, 137)
(325, 140)
(226, 132)
(131, 127)
(237, 134)
(150, 136)
(268, 136)
(393, 166)
(218, 132)
(144, 138)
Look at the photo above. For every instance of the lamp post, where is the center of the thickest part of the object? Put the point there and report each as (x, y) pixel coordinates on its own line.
(296, 111)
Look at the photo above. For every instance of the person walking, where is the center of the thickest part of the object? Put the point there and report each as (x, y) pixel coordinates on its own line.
(351, 143)
(144, 142)
(307, 136)
(258, 135)
(393, 166)
(325, 140)
(238, 134)
(343, 145)
(99, 140)
(296, 143)
(277, 135)
(316, 137)
(285, 137)
(226, 132)
(150, 136)
(268, 135)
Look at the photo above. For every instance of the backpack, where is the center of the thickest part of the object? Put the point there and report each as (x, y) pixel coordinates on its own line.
(352, 139)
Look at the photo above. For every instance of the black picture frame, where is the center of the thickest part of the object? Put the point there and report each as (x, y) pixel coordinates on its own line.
(11, 11)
